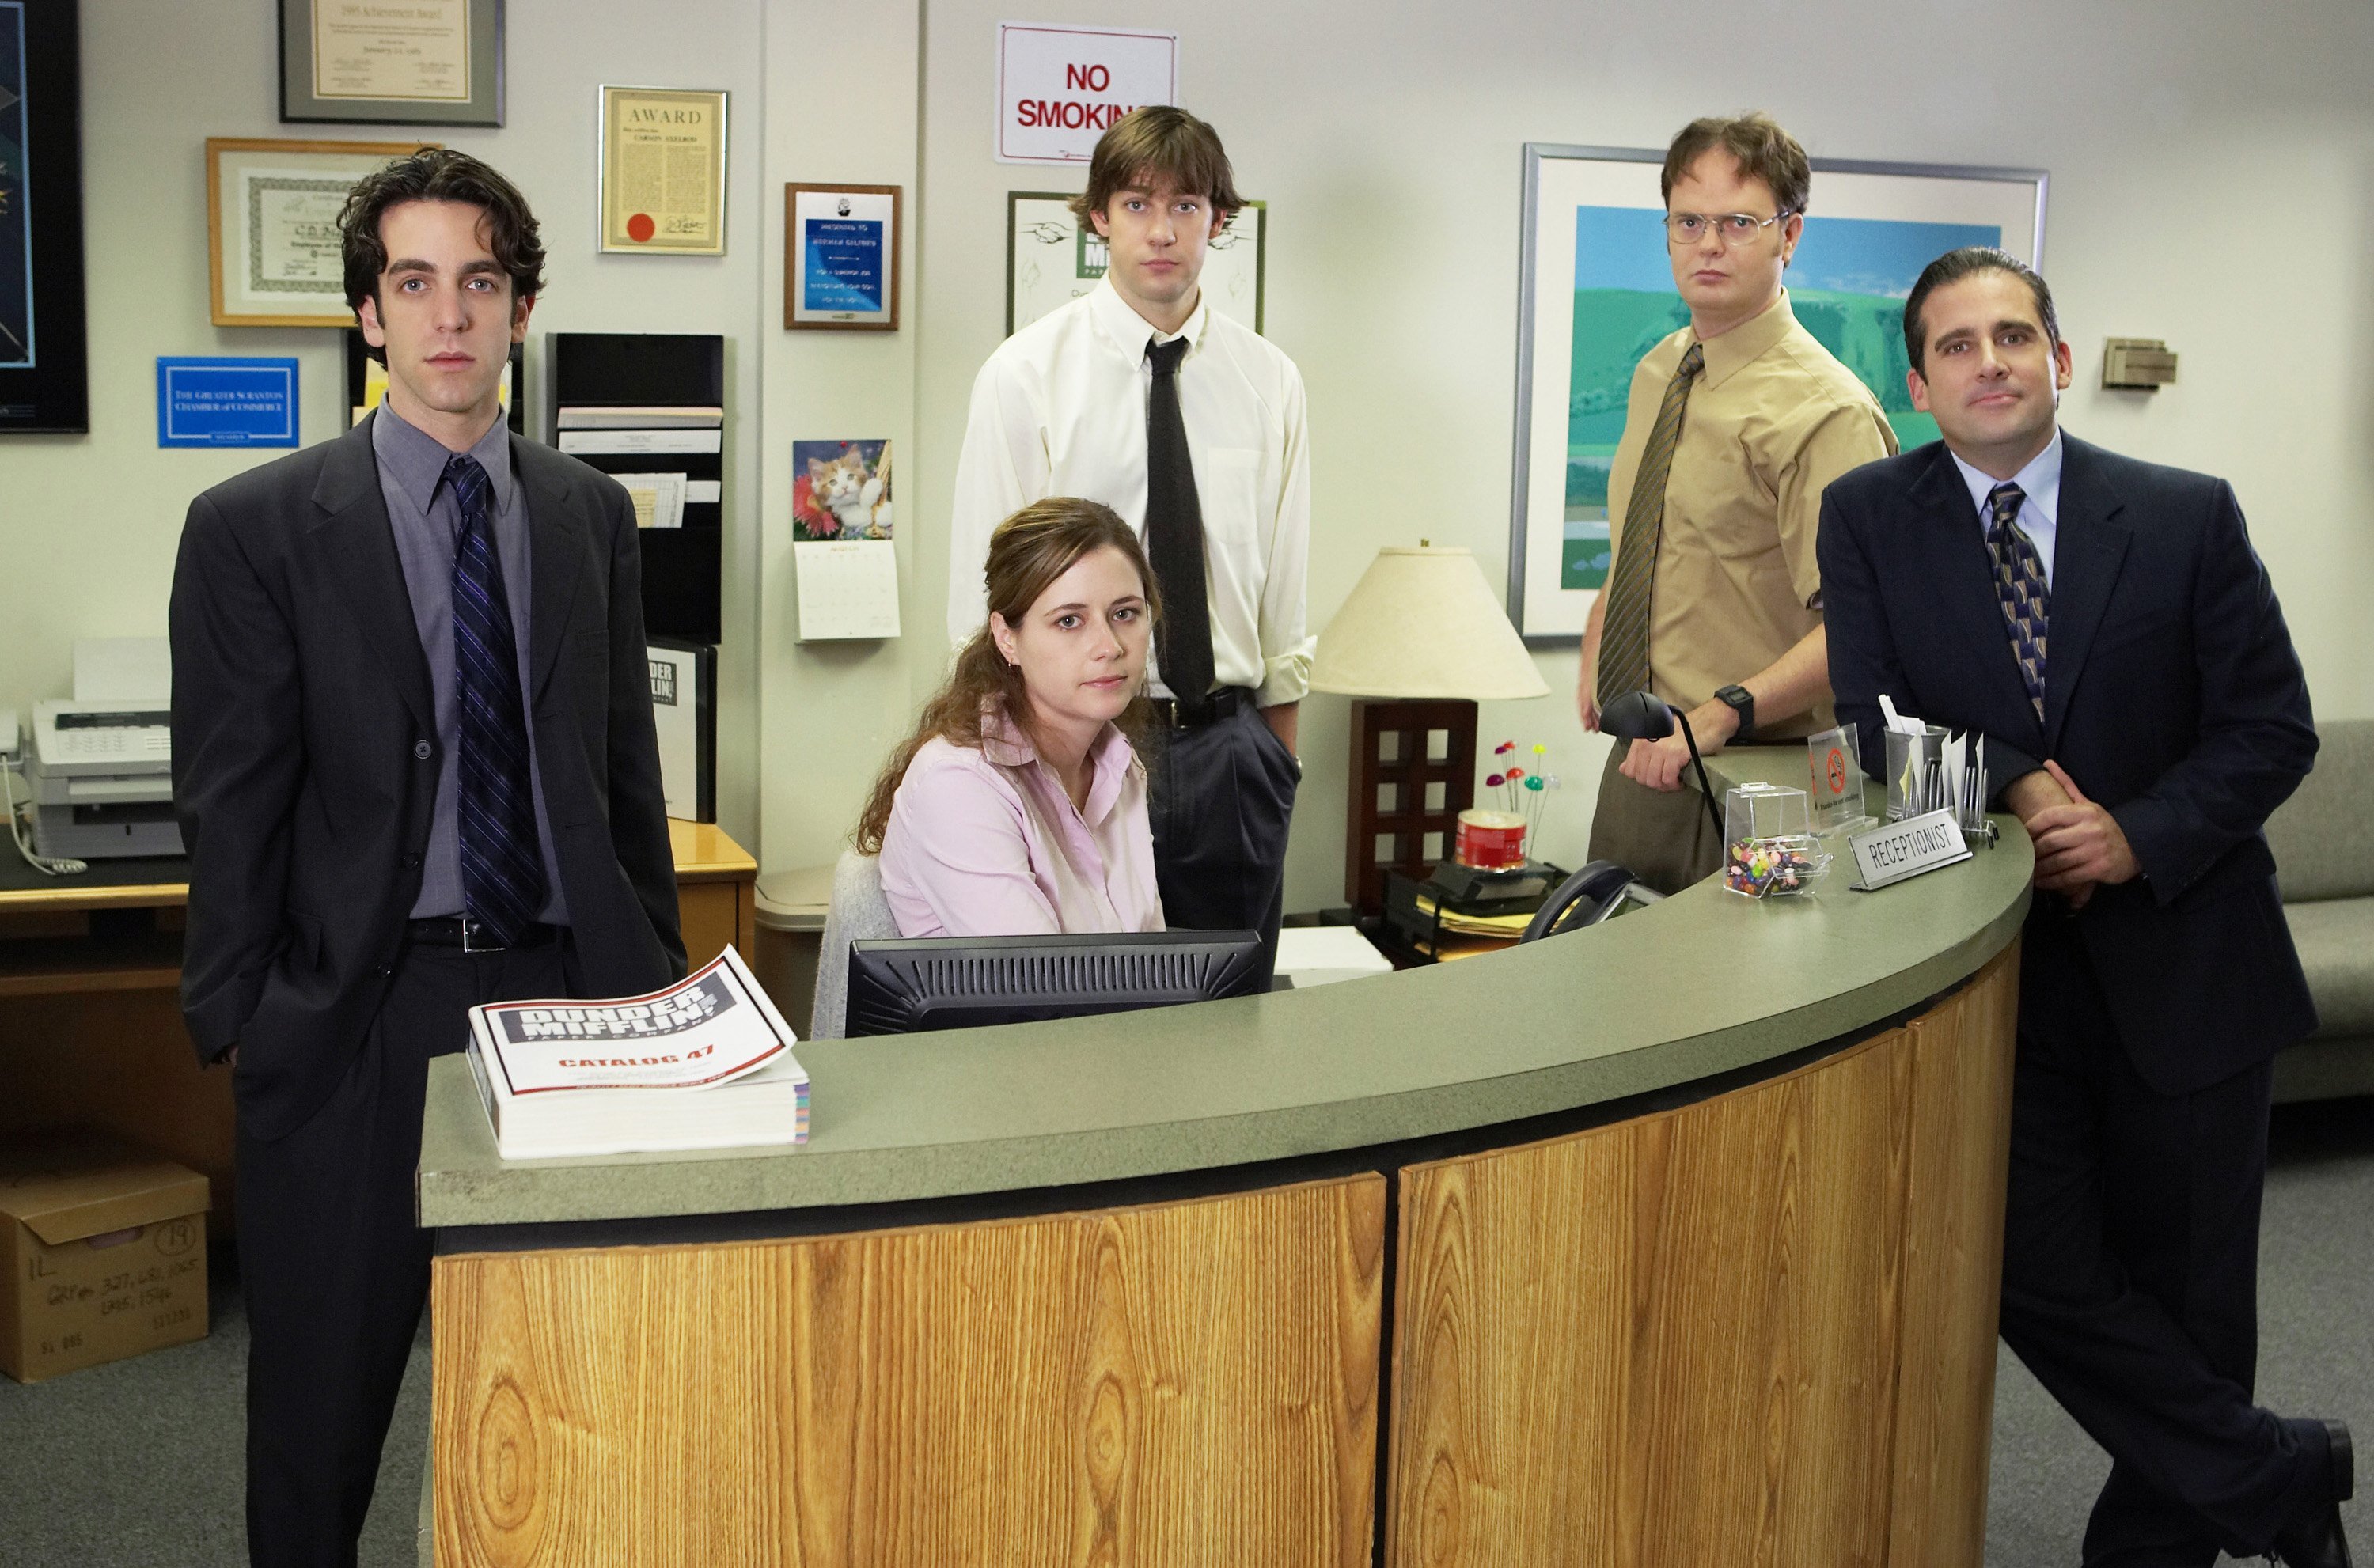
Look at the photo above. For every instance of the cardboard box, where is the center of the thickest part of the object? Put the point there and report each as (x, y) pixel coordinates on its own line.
(106, 1252)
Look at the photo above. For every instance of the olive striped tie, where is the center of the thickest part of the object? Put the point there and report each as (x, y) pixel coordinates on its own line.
(1623, 630)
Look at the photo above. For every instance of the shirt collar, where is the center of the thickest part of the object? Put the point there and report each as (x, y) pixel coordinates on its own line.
(415, 459)
(2040, 482)
(1747, 343)
(1110, 755)
(1130, 332)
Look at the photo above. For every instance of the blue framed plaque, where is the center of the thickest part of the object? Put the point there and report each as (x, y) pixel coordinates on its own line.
(841, 257)
(225, 403)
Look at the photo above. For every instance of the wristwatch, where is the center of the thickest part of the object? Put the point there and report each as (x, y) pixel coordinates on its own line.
(1743, 704)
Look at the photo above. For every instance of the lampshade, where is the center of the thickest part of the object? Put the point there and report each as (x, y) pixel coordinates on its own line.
(1423, 623)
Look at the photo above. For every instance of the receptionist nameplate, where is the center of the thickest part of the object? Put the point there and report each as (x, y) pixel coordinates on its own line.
(1902, 849)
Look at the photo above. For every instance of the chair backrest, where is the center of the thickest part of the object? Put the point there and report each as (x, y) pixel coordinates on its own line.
(2323, 836)
(859, 912)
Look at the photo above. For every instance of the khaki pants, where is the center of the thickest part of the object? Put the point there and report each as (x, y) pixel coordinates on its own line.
(1663, 837)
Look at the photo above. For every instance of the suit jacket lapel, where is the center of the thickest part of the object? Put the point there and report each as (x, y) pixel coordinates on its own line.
(556, 559)
(2089, 546)
(355, 544)
(1956, 563)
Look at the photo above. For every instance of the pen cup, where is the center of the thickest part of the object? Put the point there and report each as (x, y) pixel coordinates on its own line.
(1912, 760)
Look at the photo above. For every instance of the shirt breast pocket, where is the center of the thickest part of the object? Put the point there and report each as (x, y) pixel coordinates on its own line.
(1227, 492)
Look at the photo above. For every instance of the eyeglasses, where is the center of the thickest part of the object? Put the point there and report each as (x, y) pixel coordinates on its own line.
(1736, 228)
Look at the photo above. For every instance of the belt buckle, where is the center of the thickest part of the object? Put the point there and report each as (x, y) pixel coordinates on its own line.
(468, 927)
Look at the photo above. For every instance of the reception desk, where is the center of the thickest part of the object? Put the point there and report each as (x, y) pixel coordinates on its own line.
(1674, 1241)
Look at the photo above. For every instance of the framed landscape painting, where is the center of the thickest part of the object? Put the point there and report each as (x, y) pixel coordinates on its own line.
(1595, 293)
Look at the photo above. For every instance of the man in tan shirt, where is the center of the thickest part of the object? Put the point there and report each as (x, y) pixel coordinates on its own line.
(1735, 424)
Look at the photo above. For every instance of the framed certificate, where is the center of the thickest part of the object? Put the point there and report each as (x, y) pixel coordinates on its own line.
(422, 63)
(272, 227)
(841, 257)
(662, 172)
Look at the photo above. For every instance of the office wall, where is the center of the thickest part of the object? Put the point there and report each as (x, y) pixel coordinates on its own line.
(89, 524)
(2213, 183)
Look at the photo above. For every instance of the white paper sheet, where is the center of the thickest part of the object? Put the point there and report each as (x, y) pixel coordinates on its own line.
(847, 589)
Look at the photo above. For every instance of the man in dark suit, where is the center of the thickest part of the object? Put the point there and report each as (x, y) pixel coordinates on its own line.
(416, 768)
(2106, 626)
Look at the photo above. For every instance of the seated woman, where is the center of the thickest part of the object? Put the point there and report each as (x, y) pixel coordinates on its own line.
(1020, 805)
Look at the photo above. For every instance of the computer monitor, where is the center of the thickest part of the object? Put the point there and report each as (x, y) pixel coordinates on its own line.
(901, 986)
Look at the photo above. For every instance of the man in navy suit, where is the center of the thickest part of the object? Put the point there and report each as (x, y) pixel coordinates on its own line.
(2105, 624)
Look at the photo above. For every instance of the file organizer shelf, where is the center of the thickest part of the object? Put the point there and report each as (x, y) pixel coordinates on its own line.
(653, 403)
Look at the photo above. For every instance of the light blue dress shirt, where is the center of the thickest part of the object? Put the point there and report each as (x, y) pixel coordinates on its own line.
(2039, 511)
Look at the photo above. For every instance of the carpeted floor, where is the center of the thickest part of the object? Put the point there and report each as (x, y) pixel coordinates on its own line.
(136, 1464)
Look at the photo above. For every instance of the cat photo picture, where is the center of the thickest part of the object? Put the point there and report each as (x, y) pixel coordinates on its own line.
(840, 490)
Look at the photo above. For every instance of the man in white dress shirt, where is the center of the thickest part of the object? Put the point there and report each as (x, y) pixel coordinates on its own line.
(1191, 426)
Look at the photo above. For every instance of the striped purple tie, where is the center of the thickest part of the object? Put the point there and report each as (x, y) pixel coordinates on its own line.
(502, 867)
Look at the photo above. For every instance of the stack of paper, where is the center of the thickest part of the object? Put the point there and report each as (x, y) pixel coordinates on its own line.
(668, 456)
(705, 1064)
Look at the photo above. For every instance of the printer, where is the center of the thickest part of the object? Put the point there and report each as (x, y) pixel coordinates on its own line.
(100, 763)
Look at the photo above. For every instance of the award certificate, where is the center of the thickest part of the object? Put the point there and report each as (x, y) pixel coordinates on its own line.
(272, 220)
(663, 171)
(415, 51)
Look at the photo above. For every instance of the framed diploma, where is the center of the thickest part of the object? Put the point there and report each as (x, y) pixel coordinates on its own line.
(1595, 293)
(44, 381)
(841, 257)
(420, 63)
(272, 227)
(662, 172)
(1050, 259)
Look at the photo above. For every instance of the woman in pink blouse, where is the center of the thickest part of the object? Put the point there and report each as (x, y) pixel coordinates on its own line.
(1020, 805)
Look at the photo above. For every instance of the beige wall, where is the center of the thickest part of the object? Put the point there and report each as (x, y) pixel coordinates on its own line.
(2208, 166)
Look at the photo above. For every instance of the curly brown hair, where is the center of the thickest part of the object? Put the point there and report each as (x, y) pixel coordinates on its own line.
(1027, 552)
(437, 174)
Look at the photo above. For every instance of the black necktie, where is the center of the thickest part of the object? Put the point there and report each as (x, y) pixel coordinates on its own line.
(2020, 588)
(1174, 536)
(502, 866)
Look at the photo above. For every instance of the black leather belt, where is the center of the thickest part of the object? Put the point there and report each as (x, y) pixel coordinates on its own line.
(459, 930)
(1221, 704)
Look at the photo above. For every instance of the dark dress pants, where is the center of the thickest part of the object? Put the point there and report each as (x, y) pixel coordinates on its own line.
(333, 1266)
(2130, 1275)
(1222, 799)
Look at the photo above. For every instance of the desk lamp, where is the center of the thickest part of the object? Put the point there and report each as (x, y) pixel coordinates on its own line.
(1637, 716)
(1419, 642)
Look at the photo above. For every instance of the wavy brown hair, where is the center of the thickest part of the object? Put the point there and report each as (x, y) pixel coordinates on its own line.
(1027, 552)
(1153, 144)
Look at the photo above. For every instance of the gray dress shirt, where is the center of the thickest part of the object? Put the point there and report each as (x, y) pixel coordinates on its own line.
(428, 524)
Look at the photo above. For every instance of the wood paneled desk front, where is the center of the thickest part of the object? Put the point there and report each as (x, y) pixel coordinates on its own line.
(91, 1015)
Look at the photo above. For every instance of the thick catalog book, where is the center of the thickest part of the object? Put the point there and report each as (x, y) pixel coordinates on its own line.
(705, 1064)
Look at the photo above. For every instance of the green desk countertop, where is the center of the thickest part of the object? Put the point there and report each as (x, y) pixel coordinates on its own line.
(1705, 983)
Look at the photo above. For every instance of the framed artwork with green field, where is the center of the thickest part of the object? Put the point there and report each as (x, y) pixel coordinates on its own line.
(1596, 293)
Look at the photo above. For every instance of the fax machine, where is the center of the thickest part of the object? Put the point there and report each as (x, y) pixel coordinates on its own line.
(103, 781)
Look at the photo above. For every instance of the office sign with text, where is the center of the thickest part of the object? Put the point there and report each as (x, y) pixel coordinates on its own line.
(1061, 87)
(225, 403)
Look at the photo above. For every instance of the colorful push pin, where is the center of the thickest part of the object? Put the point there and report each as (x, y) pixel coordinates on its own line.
(1540, 750)
(1492, 781)
(1515, 773)
(1533, 781)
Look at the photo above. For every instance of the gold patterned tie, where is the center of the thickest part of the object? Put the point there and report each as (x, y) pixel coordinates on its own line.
(1623, 630)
